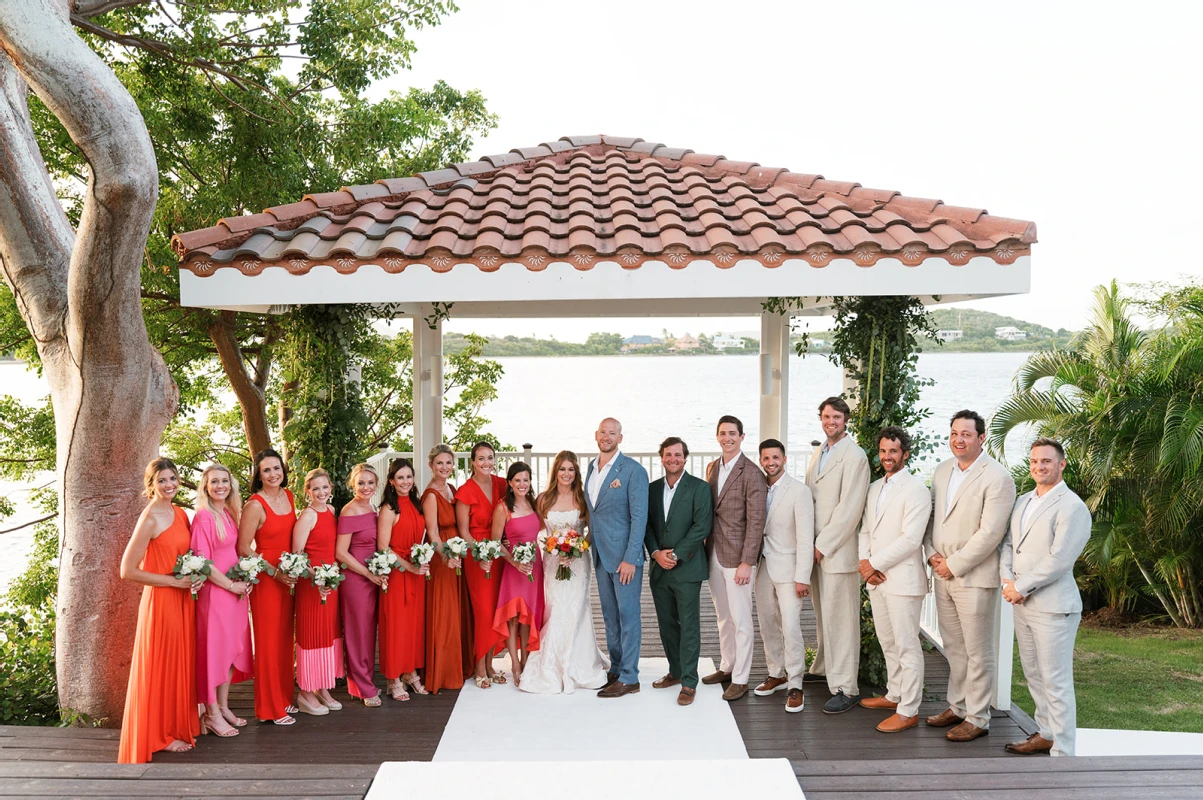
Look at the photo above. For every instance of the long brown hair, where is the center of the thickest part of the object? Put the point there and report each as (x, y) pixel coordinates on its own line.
(516, 469)
(548, 498)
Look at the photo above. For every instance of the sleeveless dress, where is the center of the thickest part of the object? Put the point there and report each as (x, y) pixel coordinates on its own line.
(358, 596)
(568, 656)
(448, 621)
(319, 642)
(272, 616)
(519, 596)
(160, 702)
(482, 590)
(223, 627)
(403, 606)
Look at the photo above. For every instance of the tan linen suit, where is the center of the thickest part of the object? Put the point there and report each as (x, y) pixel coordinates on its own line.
(1039, 554)
(839, 490)
(968, 535)
(787, 559)
(891, 540)
(735, 537)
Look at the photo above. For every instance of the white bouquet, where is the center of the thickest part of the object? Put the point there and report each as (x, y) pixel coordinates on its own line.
(248, 569)
(526, 553)
(327, 576)
(486, 551)
(421, 553)
(383, 562)
(190, 565)
(295, 566)
(456, 547)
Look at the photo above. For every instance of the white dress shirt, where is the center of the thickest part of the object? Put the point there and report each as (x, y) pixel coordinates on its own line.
(826, 451)
(724, 470)
(597, 481)
(955, 479)
(1034, 503)
(669, 493)
(887, 486)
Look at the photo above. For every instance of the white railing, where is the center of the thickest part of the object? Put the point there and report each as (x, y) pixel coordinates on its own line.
(1004, 632)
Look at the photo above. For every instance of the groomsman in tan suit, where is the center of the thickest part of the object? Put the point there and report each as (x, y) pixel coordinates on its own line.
(972, 499)
(783, 578)
(1049, 528)
(891, 562)
(838, 478)
(739, 490)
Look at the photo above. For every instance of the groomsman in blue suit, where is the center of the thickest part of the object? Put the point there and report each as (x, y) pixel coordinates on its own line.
(616, 492)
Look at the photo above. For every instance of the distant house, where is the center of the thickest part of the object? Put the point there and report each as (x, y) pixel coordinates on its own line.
(686, 342)
(1009, 333)
(724, 341)
(949, 336)
(639, 342)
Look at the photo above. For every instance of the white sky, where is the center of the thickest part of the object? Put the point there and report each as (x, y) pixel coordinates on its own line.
(1081, 116)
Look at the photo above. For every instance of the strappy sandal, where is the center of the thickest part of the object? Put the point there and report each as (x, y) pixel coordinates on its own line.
(236, 721)
(178, 746)
(285, 720)
(372, 702)
(497, 677)
(291, 709)
(208, 727)
(481, 683)
(397, 691)
(415, 684)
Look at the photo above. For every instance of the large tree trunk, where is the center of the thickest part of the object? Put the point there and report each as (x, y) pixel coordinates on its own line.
(79, 294)
(250, 390)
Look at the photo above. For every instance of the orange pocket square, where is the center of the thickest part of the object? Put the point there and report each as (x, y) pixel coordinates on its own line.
(616, 484)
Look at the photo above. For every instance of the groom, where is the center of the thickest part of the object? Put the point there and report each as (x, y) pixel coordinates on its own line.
(616, 492)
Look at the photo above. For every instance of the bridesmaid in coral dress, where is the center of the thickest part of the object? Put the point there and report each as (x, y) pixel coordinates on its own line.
(223, 627)
(403, 599)
(319, 639)
(360, 591)
(448, 621)
(160, 703)
(266, 528)
(520, 599)
(474, 505)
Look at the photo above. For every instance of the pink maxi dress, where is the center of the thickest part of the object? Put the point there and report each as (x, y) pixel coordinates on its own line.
(223, 625)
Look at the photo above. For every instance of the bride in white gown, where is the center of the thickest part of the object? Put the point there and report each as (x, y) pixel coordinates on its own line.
(568, 657)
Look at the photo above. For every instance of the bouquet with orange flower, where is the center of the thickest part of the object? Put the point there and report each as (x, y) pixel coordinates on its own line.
(567, 544)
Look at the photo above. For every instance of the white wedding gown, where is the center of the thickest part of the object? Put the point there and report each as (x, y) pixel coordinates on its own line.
(568, 657)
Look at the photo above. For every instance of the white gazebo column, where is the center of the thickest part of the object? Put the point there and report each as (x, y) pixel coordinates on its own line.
(774, 377)
(428, 390)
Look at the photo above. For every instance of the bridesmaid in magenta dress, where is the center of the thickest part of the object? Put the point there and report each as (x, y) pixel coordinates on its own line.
(520, 599)
(223, 627)
(359, 593)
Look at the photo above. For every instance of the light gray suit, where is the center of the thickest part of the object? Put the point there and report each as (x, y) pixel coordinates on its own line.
(1039, 555)
(787, 559)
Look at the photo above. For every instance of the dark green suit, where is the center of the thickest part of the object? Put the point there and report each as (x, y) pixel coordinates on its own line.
(677, 591)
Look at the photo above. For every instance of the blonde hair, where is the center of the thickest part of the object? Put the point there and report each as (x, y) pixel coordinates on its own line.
(312, 476)
(150, 477)
(438, 450)
(233, 502)
(355, 473)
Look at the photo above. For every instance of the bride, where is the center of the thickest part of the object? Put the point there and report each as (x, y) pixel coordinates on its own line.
(568, 657)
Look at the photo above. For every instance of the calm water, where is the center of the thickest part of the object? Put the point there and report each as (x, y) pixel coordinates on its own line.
(555, 403)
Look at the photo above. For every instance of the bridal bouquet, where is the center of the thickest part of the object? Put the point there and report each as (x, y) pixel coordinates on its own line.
(191, 564)
(525, 553)
(486, 551)
(249, 568)
(566, 544)
(455, 547)
(328, 576)
(421, 553)
(383, 562)
(295, 566)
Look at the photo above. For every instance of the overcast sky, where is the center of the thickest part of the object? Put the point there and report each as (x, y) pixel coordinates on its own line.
(1081, 116)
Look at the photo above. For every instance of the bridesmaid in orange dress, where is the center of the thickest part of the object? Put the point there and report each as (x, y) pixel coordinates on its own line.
(474, 504)
(448, 623)
(266, 528)
(160, 703)
(403, 602)
(319, 637)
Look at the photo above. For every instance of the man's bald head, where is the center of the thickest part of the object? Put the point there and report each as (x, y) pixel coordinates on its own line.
(608, 435)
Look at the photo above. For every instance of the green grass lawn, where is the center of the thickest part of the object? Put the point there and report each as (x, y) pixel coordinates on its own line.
(1147, 679)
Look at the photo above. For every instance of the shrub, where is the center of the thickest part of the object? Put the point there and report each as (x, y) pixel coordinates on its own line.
(28, 694)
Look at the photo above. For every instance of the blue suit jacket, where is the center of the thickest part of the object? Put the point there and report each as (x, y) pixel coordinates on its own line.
(618, 521)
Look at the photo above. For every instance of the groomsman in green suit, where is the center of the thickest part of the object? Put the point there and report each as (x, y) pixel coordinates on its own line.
(679, 515)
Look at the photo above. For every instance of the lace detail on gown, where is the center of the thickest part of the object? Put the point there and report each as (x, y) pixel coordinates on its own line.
(568, 657)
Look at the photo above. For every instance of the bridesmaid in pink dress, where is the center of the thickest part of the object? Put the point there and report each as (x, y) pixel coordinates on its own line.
(520, 599)
(223, 628)
(359, 593)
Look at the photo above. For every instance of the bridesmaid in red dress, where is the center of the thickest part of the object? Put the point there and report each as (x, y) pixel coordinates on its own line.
(160, 703)
(474, 504)
(448, 622)
(266, 527)
(319, 639)
(403, 606)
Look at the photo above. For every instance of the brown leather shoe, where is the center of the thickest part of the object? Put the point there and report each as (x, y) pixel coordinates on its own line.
(944, 719)
(718, 676)
(794, 701)
(770, 685)
(618, 689)
(686, 696)
(966, 732)
(735, 691)
(610, 678)
(665, 682)
(896, 722)
(881, 703)
(1031, 746)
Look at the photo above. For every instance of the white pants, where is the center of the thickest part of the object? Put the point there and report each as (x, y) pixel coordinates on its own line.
(836, 597)
(779, 610)
(733, 607)
(896, 619)
(967, 629)
(1046, 650)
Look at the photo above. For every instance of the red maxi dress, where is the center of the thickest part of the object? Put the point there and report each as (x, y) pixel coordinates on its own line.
(403, 606)
(319, 636)
(482, 590)
(272, 616)
(448, 622)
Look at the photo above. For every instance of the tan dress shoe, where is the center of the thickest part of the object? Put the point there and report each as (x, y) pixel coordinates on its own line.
(718, 676)
(1031, 746)
(770, 685)
(880, 703)
(966, 732)
(944, 719)
(735, 691)
(665, 682)
(896, 722)
(686, 696)
(795, 701)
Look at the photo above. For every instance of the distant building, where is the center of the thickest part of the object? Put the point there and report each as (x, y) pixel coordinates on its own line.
(1010, 333)
(639, 342)
(724, 341)
(948, 336)
(686, 342)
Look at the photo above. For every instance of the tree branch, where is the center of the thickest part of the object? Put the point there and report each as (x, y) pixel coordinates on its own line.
(27, 524)
(94, 8)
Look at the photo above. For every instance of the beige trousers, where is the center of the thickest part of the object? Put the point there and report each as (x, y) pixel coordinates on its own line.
(779, 610)
(733, 607)
(836, 597)
(1046, 650)
(896, 620)
(967, 629)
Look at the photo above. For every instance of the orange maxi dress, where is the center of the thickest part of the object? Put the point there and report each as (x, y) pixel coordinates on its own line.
(448, 614)
(481, 589)
(319, 634)
(160, 703)
(403, 606)
(272, 616)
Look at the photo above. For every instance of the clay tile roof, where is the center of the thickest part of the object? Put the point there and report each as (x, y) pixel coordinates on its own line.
(587, 199)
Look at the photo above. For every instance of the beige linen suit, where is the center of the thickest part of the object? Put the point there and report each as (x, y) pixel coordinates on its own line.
(967, 530)
(735, 537)
(788, 557)
(1039, 554)
(891, 540)
(839, 490)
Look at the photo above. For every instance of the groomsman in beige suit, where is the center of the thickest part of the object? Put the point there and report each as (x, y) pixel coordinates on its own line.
(1049, 528)
(783, 578)
(891, 562)
(972, 499)
(739, 490)
(838, 479)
